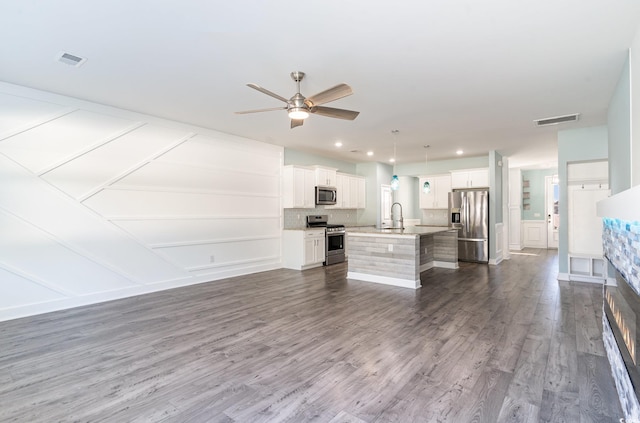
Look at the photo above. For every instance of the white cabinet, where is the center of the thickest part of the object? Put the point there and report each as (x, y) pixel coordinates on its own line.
(343, 192)
(438, 197)
(303, 249)
(325, 176)
(586, 266)
(314, 247)
(470, 178)
(298, 187)
(351, 192)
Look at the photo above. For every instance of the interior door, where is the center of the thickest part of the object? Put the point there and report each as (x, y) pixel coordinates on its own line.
(553, 216)
(385, 205)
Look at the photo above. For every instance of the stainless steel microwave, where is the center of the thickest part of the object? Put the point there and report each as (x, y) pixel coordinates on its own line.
(326, 195)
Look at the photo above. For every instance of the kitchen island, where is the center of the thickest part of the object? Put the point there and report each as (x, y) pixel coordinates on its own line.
(398, 256)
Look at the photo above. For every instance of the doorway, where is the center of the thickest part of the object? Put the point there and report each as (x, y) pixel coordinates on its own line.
(553, 216)
(386, 199)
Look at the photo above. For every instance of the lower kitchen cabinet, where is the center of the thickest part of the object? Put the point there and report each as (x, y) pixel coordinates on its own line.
(303, 249)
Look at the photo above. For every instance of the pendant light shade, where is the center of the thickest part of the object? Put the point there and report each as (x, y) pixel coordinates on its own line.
(395, 183)
(426, 187)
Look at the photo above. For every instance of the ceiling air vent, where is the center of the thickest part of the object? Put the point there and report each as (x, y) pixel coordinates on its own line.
(70, 59)
(556, 120)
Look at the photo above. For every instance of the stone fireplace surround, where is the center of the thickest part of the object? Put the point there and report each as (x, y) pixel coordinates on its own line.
(621, 305)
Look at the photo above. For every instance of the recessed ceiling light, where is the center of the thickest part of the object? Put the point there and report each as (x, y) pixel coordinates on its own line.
(338, 144)
(392, 160)
(369, 153)
(459, 152)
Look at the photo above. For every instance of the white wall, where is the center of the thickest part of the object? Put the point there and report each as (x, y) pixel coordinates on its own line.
(98, 203)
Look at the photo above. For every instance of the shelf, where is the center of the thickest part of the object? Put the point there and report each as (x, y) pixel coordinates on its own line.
(586, 265)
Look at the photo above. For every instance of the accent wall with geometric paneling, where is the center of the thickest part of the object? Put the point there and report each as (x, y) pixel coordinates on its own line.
(98, 203)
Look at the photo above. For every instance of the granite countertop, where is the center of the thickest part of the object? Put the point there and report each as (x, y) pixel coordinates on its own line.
(409, 230)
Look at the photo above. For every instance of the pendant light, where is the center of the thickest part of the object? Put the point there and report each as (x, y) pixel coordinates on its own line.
(426, 187)
(395, 182)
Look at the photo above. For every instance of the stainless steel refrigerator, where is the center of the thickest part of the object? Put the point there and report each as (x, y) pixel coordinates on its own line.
(469, 214)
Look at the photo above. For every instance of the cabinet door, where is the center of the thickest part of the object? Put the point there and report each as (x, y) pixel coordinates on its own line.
(459, 179)
(299, 188)
(339, 193)
(325, 176)
(479, 178)
(310, 250)
(309, 199)
(346, 189)
(320, 249)
(353, 192)
(362, 193)
(332, 177)
(427, 200)
(443, 188)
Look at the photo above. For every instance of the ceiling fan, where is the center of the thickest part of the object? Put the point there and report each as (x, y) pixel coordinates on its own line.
(299, 107)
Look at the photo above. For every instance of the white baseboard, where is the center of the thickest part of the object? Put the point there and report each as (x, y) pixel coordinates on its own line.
(445, 264)
(385, 280)
(581, 278)
(101, 297)
(495, 262)
(427, 266)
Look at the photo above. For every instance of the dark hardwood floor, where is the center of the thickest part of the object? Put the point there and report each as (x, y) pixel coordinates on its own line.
(505, 343)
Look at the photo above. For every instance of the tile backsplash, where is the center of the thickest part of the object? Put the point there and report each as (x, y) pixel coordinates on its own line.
(297, 218)
(435, 217)
(621, 240)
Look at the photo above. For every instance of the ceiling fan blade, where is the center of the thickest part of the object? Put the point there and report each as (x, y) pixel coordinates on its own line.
(339, 91)
(267, 92)
(296, 122)
(260, 110)
(335, 113)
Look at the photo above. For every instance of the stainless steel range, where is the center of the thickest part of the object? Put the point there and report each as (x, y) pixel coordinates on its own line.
(334, 241)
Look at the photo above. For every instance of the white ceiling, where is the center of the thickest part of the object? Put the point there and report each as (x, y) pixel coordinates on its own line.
(451, 74)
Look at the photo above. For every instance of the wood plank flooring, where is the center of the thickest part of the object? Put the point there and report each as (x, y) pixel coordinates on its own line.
(505, 343)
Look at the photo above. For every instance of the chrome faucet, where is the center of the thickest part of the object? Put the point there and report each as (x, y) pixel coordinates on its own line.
(393, 220)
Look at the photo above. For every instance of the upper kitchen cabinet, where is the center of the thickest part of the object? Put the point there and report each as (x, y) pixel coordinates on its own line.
(298, 187)
(470, 178)
(351, 192)
(325, 176)
(438, 197)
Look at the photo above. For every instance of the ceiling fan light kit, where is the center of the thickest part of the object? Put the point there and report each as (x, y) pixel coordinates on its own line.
(300, 107)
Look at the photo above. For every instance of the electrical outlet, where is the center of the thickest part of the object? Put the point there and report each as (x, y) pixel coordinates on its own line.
(212, 259)
(425, 250)
(298, 217)
(536, 215)
(390, 247)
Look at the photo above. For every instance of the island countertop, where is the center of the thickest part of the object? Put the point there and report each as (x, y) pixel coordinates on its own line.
(409, 230)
